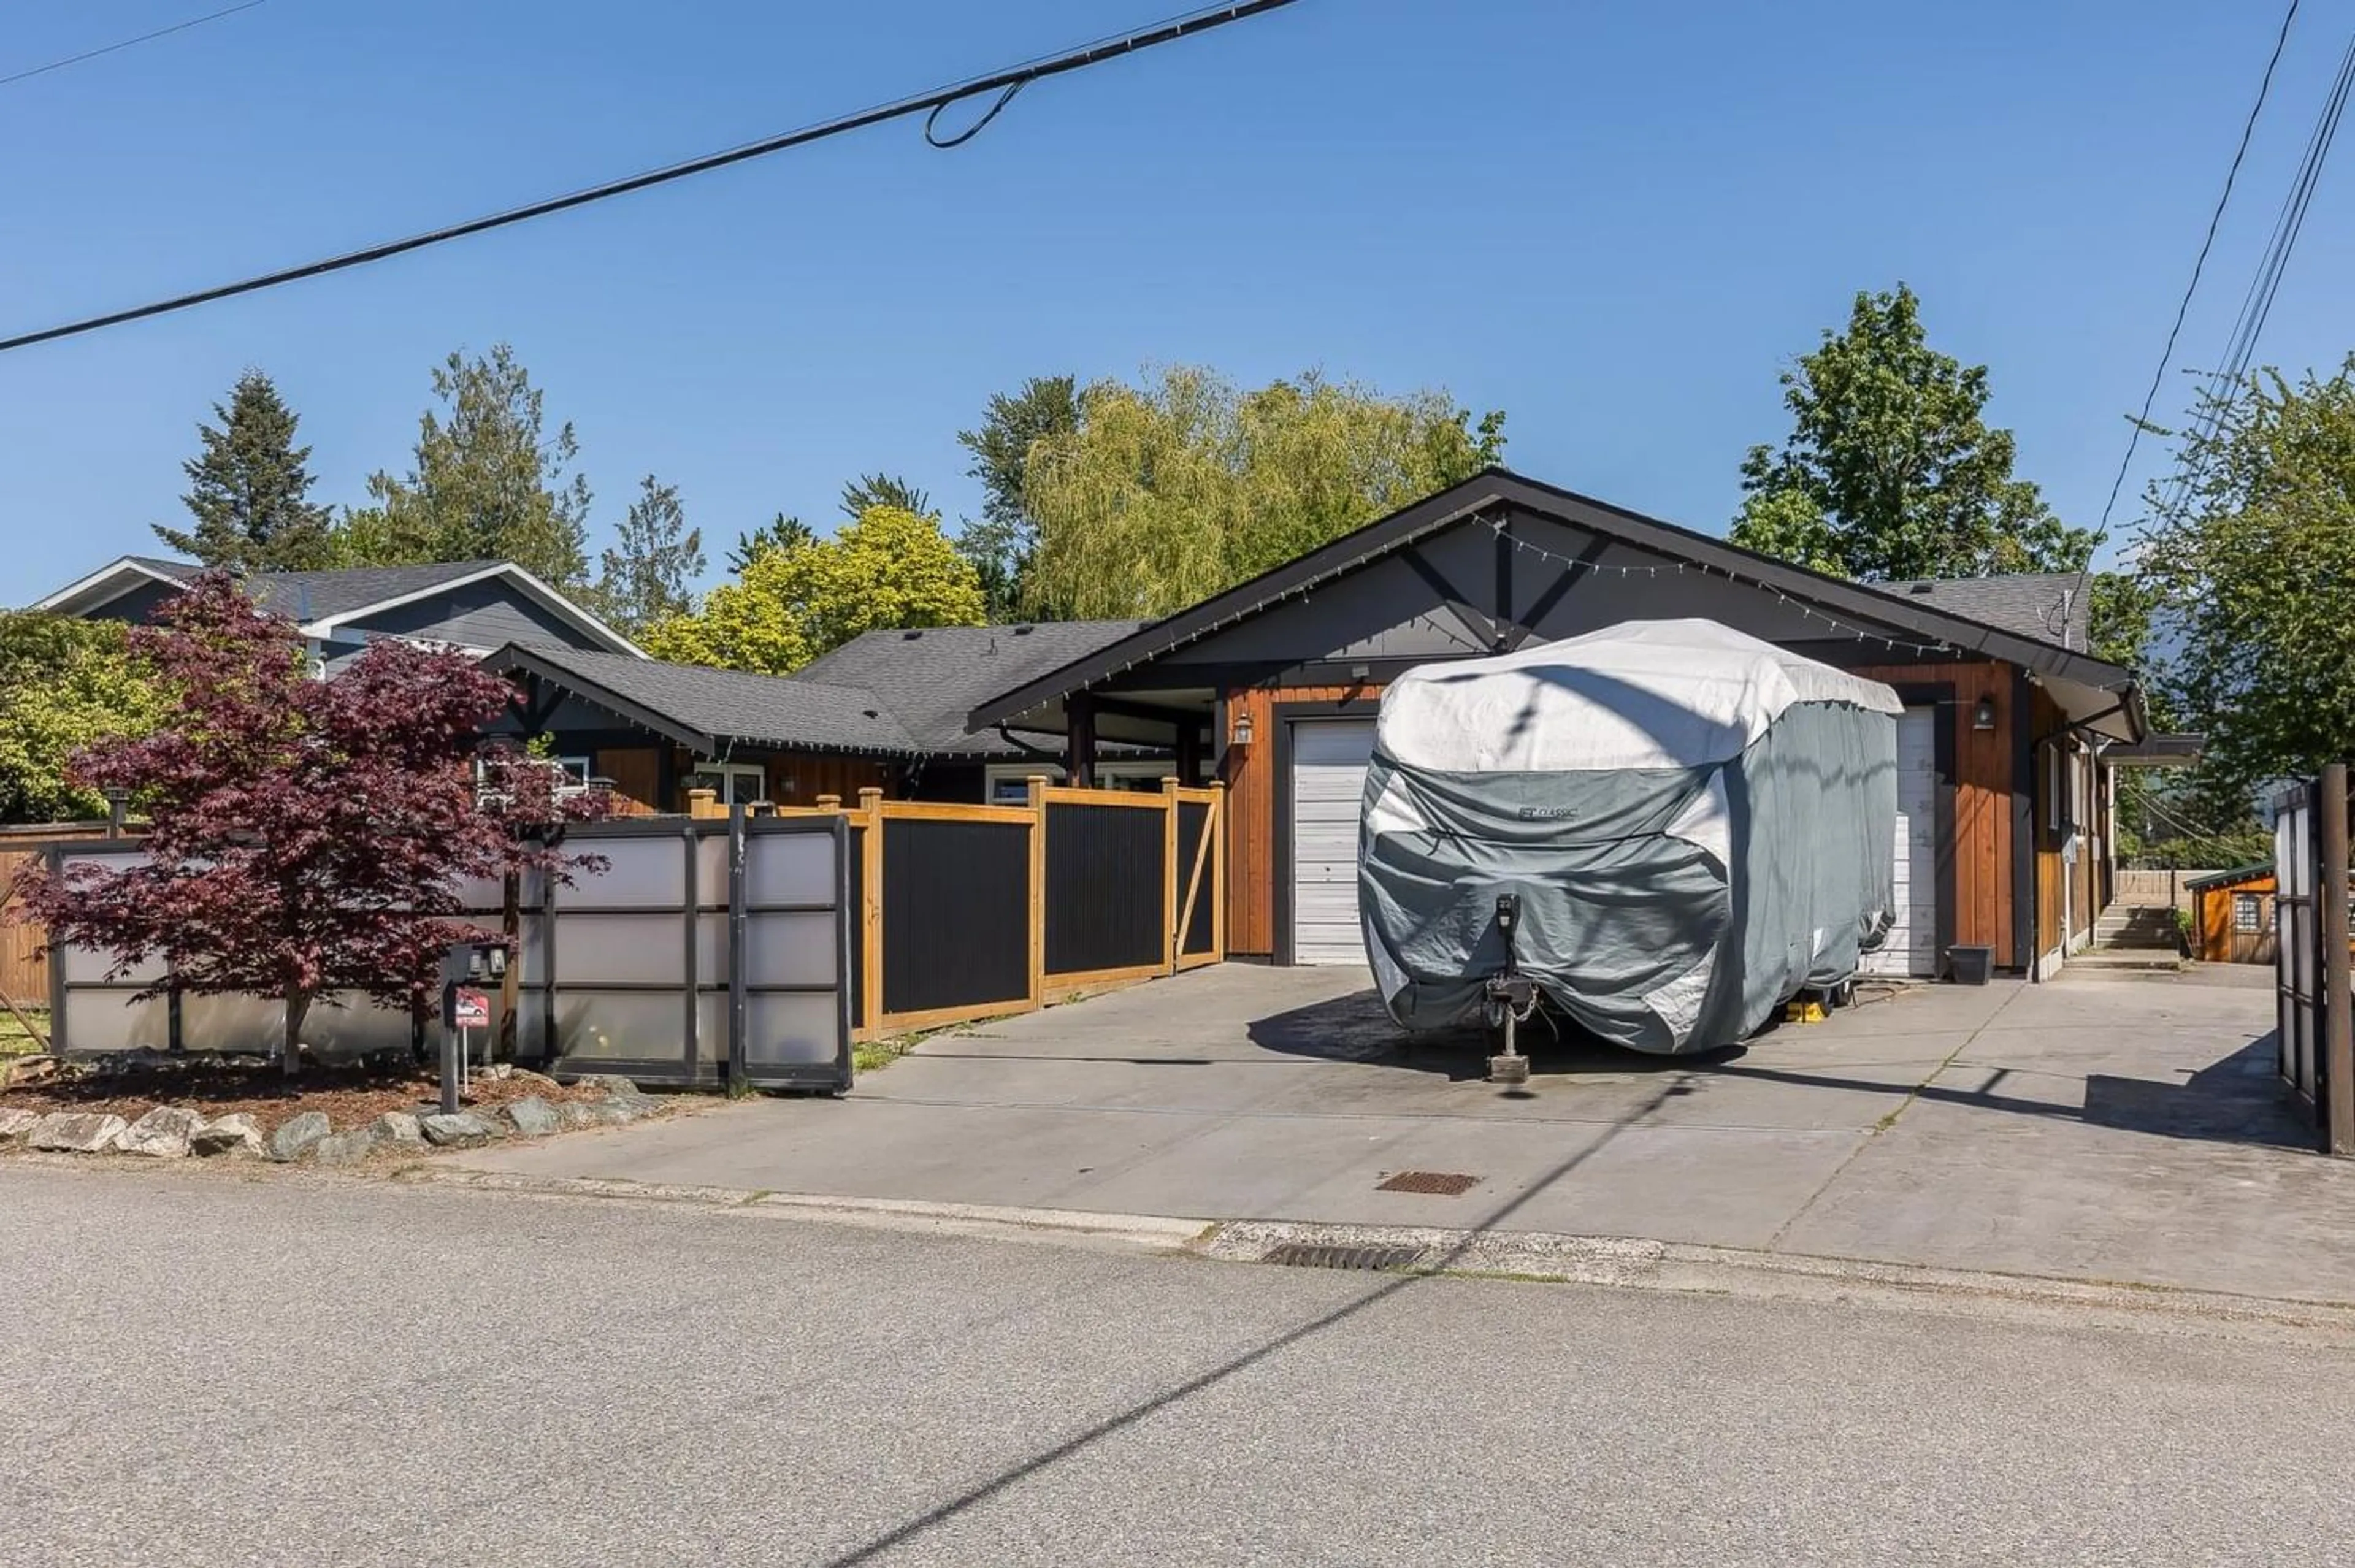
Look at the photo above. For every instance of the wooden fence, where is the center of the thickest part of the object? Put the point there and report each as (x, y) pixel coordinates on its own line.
(971, 912)
(24, 946)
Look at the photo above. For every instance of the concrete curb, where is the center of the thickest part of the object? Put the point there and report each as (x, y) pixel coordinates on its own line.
(1617, 1262)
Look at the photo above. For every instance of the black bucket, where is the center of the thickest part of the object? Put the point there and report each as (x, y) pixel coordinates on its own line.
(1971, 965)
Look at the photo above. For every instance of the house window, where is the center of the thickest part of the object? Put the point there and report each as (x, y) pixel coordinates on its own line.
(1010, 783)
(577, 772)
(734, 784)
(2247, 913)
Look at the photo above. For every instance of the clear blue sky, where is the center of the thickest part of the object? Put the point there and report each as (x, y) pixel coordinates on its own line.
(1616, 222)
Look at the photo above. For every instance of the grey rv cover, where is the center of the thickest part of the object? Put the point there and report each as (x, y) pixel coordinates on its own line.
(1698, 825)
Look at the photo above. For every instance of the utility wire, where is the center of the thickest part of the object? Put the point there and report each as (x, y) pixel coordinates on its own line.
(2257, 303)
(1005, 83)
(2158, 374)
(127, 43)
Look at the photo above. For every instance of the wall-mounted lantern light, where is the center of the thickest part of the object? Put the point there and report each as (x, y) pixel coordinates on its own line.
(1983, 714)
(1240, 735)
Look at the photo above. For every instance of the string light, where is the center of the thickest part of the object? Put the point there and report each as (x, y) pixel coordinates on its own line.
(1807, 612)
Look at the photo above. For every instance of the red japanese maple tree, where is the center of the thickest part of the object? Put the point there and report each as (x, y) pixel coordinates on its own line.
(308, 835)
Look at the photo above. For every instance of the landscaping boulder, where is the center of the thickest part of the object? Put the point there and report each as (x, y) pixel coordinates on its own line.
(344, 1148)
(572, 1113)
(78, 1131)
(233, 1134)
(609, 1084)
(532, 1116)
(460, 1131)
(17, 1125)
(399, 1127)
(163, 1132)
(295, 1135)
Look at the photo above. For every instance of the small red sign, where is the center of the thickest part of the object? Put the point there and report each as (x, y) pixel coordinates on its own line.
(472, 1010)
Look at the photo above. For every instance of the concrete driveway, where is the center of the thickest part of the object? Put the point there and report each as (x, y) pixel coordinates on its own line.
(2096, 1128)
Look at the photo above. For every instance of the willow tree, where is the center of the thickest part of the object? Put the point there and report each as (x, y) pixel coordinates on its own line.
(1165, 494)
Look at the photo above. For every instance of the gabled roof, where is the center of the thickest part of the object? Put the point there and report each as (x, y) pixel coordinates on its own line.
(321, 601)
(1904, 613)
(932, 677)
(2050, 606)
(706, 710)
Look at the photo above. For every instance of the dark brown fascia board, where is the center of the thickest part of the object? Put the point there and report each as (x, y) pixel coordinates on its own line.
(1500, 485)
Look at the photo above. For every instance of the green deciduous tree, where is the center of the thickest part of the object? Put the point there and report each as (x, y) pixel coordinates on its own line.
(64, 685)
(1166, 494)
(1000, 543)
(2253, 558)
(247, 489)
(889, 567)
(648, 576)
(488, 481)
(780, 532)
(869, 491)
(1891, 470)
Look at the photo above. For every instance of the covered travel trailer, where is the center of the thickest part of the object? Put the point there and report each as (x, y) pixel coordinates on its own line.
(1664, 830)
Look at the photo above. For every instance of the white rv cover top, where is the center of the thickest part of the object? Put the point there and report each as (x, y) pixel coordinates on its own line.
(1643, 694)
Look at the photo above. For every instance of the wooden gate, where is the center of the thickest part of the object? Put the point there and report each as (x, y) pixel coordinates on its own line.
(2314, 999)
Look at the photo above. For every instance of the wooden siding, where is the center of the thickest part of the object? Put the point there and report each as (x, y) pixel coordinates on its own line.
(1980, 855)
(2218, 941)
(798, 779)
(636, 774)
(1251, 788)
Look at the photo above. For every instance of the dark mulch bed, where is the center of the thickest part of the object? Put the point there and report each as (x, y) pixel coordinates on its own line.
(351, 1096)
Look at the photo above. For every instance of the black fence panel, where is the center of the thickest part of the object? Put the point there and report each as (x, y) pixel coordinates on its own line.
(956, 914)
(1104, 895)
(1193, 817)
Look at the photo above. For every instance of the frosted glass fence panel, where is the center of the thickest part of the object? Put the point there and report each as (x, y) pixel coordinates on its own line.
(621, 1026)
(797, 1029)
(109, 1020)
(789, 869)
(642, 872)
(619, 949)
(796, 949)
(88, 966)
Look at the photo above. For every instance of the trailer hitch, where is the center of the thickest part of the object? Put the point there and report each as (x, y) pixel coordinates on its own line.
(1509, 998)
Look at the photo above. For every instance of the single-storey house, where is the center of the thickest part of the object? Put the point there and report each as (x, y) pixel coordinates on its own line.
(2232, 915)
(886, 710)
(474, 605)
(2004, 837)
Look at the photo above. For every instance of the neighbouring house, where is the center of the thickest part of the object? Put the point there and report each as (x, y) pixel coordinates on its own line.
(2232, 916)
(474, 605)
(886, 710)
(2005, 835)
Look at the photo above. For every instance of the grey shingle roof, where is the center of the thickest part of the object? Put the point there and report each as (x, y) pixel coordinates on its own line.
(900, 692)
(726, 704)
(2045, 605)
(932, 678)
(313, 595)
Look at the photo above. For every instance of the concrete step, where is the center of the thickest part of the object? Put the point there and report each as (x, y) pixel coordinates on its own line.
(2127, 960)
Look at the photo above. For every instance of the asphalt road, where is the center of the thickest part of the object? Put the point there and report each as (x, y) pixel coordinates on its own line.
(197, 1369)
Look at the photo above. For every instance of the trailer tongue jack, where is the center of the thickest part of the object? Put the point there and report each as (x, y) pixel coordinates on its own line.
(1510, 998)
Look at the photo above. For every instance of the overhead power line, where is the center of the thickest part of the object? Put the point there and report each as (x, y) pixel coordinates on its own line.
(127, 43)
(1005, 83)
(2158, 373)
(2257, 303)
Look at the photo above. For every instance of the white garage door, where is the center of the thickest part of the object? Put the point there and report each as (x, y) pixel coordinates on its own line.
(1912, 945)
(1328, 786)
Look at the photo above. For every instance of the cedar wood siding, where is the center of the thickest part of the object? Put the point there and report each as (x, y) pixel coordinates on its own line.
(637, 770)
(2219, 942)
(1981, 850)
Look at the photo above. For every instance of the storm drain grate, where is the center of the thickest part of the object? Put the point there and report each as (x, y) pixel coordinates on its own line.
(1443, 1183)
(1323, 1254)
